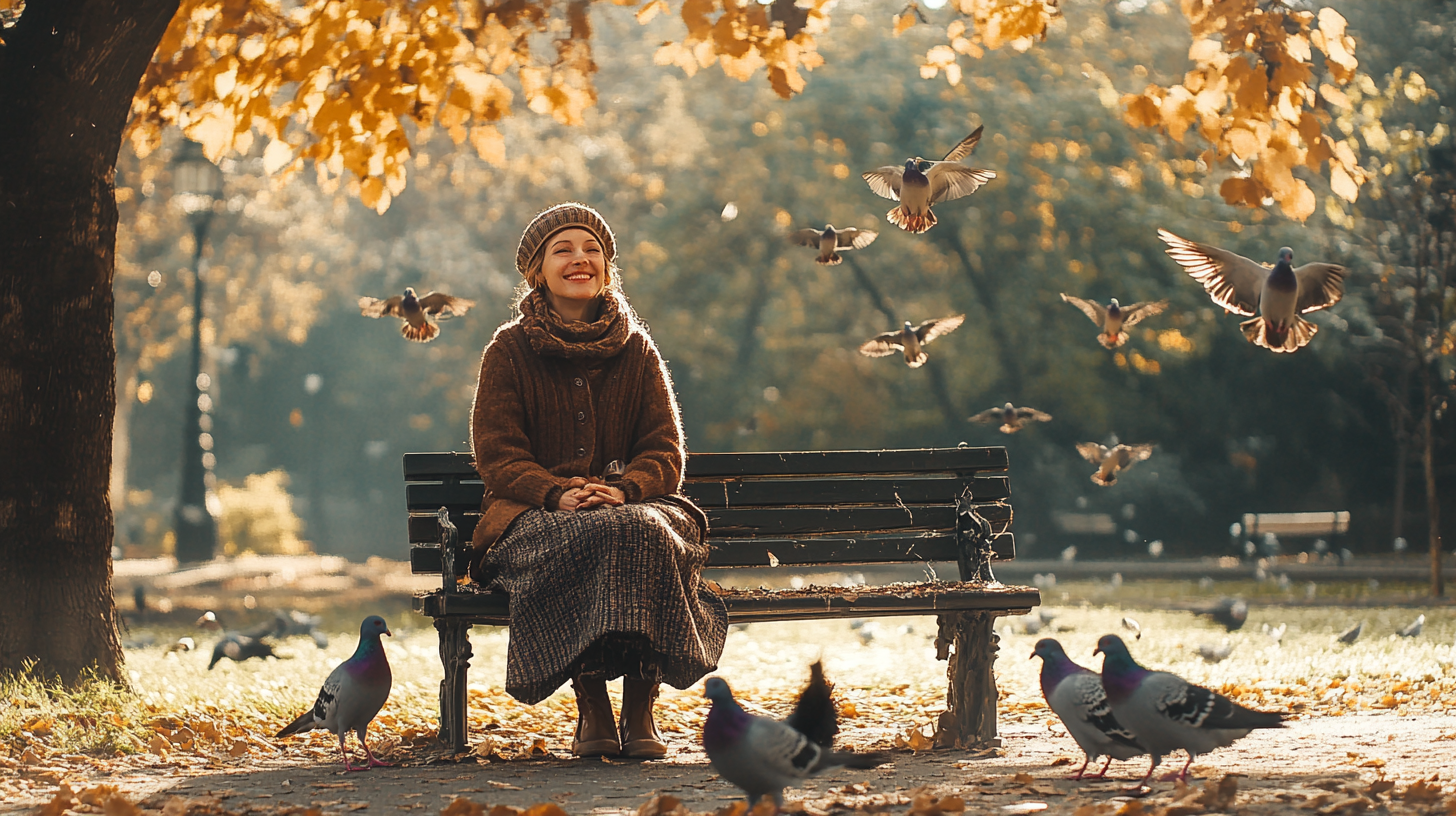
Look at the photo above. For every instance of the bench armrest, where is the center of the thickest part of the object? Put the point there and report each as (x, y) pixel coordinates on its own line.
(449, 537)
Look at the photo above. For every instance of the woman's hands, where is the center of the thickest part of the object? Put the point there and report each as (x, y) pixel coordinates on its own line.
(583, 495)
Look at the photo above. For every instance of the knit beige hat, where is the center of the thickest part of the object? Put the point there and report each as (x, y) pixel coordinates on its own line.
(557, 218)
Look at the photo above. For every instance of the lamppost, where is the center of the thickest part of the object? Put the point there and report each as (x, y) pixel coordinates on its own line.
(197, 187)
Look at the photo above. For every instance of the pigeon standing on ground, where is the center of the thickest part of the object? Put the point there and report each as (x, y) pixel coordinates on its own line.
(814, 714)
(1230, 613)
(1011, 418)
(1279, 295)
(1111, 460)
(1133, 626)
(910, 339)
(831, 239)
(1352, 634)
(1414, 628)
(353, 694)
(763, 756)
(1167, 713)
(416, 311)
(1076, 696)
(1215, 654)
(922, 184)
(1114, 317)
(237, 646)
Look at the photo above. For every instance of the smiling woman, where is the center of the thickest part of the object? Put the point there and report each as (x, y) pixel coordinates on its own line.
(577, 437)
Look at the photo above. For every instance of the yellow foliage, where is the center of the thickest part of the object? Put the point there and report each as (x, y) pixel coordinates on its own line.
(258, 517)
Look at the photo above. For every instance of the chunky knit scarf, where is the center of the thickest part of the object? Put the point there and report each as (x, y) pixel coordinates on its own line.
(551, 336)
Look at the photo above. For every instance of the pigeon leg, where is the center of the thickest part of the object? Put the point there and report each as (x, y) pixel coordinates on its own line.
(1149, 775)
(1102, 774)
(373, 763)
(1083, 769)
(343, 751)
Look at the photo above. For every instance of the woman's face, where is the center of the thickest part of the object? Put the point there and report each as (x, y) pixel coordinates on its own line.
(574, 265)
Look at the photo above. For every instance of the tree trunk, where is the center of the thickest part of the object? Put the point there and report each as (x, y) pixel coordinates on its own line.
(1433, 500)
(68, 71)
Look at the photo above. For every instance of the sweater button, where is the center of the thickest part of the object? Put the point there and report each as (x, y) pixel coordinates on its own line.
(581, 451)
(581, 416)
(579, 382)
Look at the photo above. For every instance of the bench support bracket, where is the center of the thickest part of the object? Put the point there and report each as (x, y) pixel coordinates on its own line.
(455, 655)
(968, 641)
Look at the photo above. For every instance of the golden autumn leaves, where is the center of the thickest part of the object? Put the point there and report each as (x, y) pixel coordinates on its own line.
(350, 86)
(1253, 95)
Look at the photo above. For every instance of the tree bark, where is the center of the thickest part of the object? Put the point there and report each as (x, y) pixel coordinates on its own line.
(68, 71)
(1433, 499)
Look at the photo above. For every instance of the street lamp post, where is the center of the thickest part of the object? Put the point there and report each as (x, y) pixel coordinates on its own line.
(197, 187)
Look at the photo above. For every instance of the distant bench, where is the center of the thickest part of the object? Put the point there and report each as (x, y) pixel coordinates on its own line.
(1294, 525)
(791, 510)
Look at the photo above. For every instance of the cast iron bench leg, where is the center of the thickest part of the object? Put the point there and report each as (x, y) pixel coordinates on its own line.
(455, 655)
(968, 641)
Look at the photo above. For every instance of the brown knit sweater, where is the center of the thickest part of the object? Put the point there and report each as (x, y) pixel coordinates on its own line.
(557, 400)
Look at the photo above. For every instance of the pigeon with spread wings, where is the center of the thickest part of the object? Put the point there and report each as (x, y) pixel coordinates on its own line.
(1111, 460)
(1012, 419)
(1114, 317)
(1279, 295)
(919, 189)
(910, 339)
(416, 311)
(831, 239)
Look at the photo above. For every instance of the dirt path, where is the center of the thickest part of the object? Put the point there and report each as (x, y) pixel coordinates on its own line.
(1281, 767)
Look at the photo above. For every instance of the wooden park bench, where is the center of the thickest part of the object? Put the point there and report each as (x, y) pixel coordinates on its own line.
(787, 510)
(1294, 525)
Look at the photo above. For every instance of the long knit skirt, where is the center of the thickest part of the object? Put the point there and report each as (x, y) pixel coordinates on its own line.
(607, 592)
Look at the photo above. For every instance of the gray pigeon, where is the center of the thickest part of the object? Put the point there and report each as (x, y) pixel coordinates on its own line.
(1352, 634)
(1131, 625)
(1414, 628)
(1215, 654)
(1075, 695)
(1167, 713)
(910, 339)
(1114, 317)
(1279, 295)
(353, 694)
(763, 756)
(416, 311)
(831, 239)
(1110, 461)
(237, 647)
(1011, 418)
(919, 189)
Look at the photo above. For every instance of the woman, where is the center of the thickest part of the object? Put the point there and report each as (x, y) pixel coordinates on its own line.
(577, 437)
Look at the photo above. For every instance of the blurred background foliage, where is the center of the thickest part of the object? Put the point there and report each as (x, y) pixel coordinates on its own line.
(702, 176)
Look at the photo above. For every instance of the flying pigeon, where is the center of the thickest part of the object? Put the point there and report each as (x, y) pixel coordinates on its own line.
(1231, 613)
(353, 693)
(1276, 633)
(763, 756)
(237, 646)
(1075, 695)
(1111, 460)
(1279, 295)
(1414, 628)
(1352, 634)
(919, 189)
(832, 239)
(814, 714)
(1166, 713)
(1011, 417)
(909, 339)
(416, 311)
(1215, 654)
(1114, 317)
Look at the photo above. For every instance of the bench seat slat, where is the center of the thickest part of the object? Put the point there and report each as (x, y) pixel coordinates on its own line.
(457, 465)
(492, 608)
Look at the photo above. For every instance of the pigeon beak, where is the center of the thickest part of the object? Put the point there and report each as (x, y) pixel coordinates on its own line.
(387, 632)
(1096, 651)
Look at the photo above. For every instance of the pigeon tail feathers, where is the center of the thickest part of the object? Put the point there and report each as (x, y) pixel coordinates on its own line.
(1113, 341)
(814, 714)
(834, 259)
(911, 222)
(1108, 481)
(305, 722)
(1262, 333)
(423, 333)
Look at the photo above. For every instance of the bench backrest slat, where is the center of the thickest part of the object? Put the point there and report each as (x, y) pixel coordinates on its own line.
(1295, 524)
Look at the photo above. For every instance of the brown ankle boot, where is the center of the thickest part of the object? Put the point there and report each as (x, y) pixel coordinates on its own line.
(596, 731)
(640, 739)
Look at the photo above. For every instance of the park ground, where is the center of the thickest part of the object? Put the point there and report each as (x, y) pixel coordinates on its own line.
(1372, 726)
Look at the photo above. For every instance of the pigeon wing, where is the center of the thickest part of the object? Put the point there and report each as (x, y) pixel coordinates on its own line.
(1132, 315)
(881, 345)
(952, 180)
(1197, 707)
(885, 181)
(988, 415)
(805, 237)
(1321, 285)
(1098, 712)
(1129, 454)
(326, 707)
(783, 752)
(966, 145)
(1033, 415)
(445, 306)
(374, 307)
(856, 238)
(936, 326)
(1231, 280)
(1092, 452)
(1095, 312)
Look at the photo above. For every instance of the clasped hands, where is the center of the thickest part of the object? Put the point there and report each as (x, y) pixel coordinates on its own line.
(581, 494)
